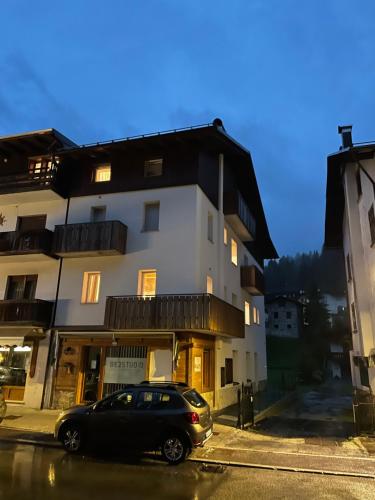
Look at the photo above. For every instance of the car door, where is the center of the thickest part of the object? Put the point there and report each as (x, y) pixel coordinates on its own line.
(112, 421)
(152, 411)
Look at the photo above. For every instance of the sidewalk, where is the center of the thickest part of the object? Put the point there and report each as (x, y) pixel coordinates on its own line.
(354, 456)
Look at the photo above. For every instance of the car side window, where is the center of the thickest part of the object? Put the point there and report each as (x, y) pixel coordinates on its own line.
(123, 401)
(150, 400)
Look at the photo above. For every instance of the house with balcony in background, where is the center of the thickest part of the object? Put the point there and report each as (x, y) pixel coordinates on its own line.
(127, 260)
(350, 226)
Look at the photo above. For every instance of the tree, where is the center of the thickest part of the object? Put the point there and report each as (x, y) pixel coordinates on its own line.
(315, 337)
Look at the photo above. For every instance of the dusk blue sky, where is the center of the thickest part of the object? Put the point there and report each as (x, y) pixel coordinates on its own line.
(281, 74)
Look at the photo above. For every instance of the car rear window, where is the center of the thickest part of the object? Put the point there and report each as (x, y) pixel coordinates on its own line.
(195, 399)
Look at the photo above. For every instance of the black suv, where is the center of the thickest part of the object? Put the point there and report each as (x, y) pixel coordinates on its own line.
(169, 416)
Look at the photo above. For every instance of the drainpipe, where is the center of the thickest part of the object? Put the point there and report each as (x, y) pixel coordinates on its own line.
(52, 349)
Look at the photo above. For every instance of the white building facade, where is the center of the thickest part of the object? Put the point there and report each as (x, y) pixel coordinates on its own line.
(350, 225)
(154, 271)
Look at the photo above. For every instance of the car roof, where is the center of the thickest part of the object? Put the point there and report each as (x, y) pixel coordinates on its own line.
(165, 386)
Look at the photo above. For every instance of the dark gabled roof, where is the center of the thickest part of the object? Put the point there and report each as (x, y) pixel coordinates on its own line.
(335, 200)
(278, 298)
(35, 142)
(211, 135)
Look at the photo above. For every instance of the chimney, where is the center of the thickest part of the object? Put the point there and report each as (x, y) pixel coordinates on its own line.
(346, 136)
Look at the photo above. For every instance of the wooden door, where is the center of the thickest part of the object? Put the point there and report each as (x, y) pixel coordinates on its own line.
(182, 367)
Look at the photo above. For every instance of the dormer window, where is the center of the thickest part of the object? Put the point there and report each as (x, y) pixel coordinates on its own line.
(153, 168)
(103, 173)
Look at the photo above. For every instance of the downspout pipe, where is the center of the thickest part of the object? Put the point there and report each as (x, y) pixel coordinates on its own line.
(51, 348)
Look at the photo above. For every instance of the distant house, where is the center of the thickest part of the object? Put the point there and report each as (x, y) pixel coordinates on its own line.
(284, 317)
(284, 323)
(350, 226)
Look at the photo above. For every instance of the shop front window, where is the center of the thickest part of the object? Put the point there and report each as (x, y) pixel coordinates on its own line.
(14, 362)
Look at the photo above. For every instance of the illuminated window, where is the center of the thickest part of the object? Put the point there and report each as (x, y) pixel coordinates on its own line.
(225, 236)
(147, 283)
(247, 313)
(103, 173)
(90, 287)
(151, 222)
(40, 168)
(234, 251)
(255, 315)
(153, 168)
(210, 227)
(210, 286)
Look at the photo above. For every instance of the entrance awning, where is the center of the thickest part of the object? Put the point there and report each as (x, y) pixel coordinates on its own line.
(17, 337)
(11, 341)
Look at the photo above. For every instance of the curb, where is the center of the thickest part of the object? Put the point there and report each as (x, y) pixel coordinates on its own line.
(249, 465)
(34, 442)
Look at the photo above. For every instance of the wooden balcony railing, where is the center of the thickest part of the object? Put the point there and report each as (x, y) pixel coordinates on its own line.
(29, 312)
(252, 280)
(199, 312)
(238, 214)
(42, 179)
(90, 238)
(29, 242)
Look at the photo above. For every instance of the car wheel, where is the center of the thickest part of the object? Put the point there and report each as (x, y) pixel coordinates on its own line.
(174, 449)
(72, 438)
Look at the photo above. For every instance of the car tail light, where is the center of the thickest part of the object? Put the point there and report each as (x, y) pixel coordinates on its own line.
(192, 417)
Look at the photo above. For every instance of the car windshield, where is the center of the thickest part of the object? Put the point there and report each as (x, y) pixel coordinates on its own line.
(194, 398)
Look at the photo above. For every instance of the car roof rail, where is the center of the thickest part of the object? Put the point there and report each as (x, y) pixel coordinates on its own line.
(164, 382)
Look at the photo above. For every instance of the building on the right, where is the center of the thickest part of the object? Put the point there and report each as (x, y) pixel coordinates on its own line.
(350, 226)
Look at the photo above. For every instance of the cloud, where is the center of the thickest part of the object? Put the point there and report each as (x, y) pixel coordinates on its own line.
(30, 104)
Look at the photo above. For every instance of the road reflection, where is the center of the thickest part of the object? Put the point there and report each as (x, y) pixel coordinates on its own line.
(43, 473)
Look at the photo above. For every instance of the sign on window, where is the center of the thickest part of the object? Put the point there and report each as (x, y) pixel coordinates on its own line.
(124, 370)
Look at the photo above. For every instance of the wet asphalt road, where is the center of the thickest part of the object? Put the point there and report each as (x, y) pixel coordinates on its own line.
(28, 472)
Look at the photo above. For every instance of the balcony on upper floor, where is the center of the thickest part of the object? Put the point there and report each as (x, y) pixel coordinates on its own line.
(25, 246)
(252, 280)
(37, 184)
(25, 312)
(203, 313)
(90, 239)
(238, 215)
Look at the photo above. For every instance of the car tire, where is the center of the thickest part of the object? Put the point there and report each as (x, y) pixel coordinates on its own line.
(72, 438)
(174, 449)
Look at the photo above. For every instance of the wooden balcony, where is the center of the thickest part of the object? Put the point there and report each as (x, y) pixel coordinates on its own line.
(29, 187)
(238, 215)
(90, 239)
(199, 313)
(25, 246)
(252, 280)
(25, 312)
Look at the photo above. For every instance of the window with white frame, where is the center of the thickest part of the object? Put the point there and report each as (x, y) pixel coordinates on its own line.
(234, 256)
(90, 287)
(147, 283)
(153, 168)
(210, 227)
(210, 285)
(103, 173)
(225, 236)
(247, 313)
(151, 219)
